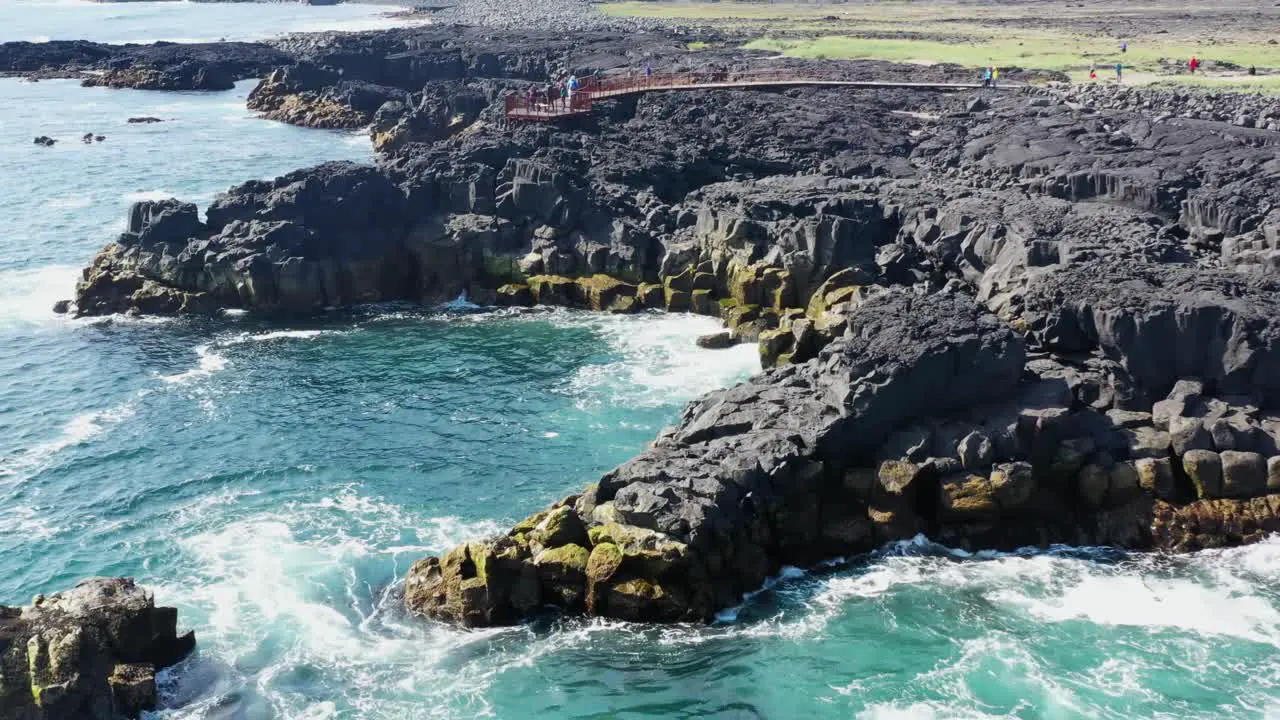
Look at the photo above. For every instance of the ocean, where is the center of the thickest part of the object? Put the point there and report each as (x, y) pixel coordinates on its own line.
(274, 481)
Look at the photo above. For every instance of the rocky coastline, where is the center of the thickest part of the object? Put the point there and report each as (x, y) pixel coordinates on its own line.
(1042, 315)
(89, 652)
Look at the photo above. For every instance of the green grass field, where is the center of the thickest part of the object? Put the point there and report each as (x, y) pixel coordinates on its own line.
(975, 36)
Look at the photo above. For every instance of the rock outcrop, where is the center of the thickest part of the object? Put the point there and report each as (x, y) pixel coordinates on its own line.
(999, 319)
(926, 416)
(90, 653)
(157, 66)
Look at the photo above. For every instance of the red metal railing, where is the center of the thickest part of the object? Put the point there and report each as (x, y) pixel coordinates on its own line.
(545, 103)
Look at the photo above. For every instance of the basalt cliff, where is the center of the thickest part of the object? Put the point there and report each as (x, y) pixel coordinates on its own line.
(1019, 317)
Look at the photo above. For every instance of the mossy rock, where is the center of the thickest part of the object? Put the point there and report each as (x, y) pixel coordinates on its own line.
(701, 302)
(776, 287)
(1155, 476)
(556, 290)
(562, 575)
(823, 300)
(569, 558)
(645, 552)
(651, 296)
(735, 315)
(682, 281)
(618, 534)
(640, 600)
(704, 281)
(527, 525)
(677, 300)
(744, 284)
(561, 526)
(604, 561)
(624, 306)
(968, 497)
(605, 514)
(515, 296)
(1204, 468)
(602, 291)
(774, 344)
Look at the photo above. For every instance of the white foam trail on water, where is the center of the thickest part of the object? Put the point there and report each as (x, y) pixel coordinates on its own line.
(149, 195)
(921, 711)
(79, 430)
(26, 522)
(69, 203)
(27, 296)
(208, 362)
(1155, 603)
(288, 575)
(278, 335)
(661, 363)
(1216, 592)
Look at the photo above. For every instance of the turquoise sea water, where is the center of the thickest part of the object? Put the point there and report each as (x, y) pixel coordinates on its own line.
(275, 481)
(138, 22)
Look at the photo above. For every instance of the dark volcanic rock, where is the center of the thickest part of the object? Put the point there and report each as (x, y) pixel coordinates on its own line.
(158, 66)
(1046, 316)
(751, 475)
(90, 653)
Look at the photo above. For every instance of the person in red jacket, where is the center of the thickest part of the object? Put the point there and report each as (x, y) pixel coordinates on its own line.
(1194, 64)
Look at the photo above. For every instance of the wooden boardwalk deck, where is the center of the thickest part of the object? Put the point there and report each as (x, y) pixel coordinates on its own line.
(540, 108)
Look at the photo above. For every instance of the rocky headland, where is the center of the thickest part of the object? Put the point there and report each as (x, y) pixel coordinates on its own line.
(1040, 315)
(90, 652)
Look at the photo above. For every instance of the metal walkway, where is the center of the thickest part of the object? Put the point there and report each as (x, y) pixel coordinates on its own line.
(543, 106)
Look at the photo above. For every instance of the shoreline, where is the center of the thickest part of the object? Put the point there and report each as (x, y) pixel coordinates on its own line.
(1000, 320)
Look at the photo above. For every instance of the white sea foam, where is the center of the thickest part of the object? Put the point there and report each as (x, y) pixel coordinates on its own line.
(933, 710)
(27, 296)
(278, 335)
(27, 522)
(660, 361)
(77, 431)
(208, 362)
(69, 203)
(1153, 603)
(292, 571)
(143, 195)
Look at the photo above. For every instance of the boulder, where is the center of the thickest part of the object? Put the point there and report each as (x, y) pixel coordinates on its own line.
(89, 653)
(976, 451)
(1204, 468)
(716, 341)
(1147, 442)
(1155, 476)
(1244, 474)
(563, 573)
(560, 526)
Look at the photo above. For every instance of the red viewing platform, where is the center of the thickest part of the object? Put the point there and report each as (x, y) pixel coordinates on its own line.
(592, 89)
